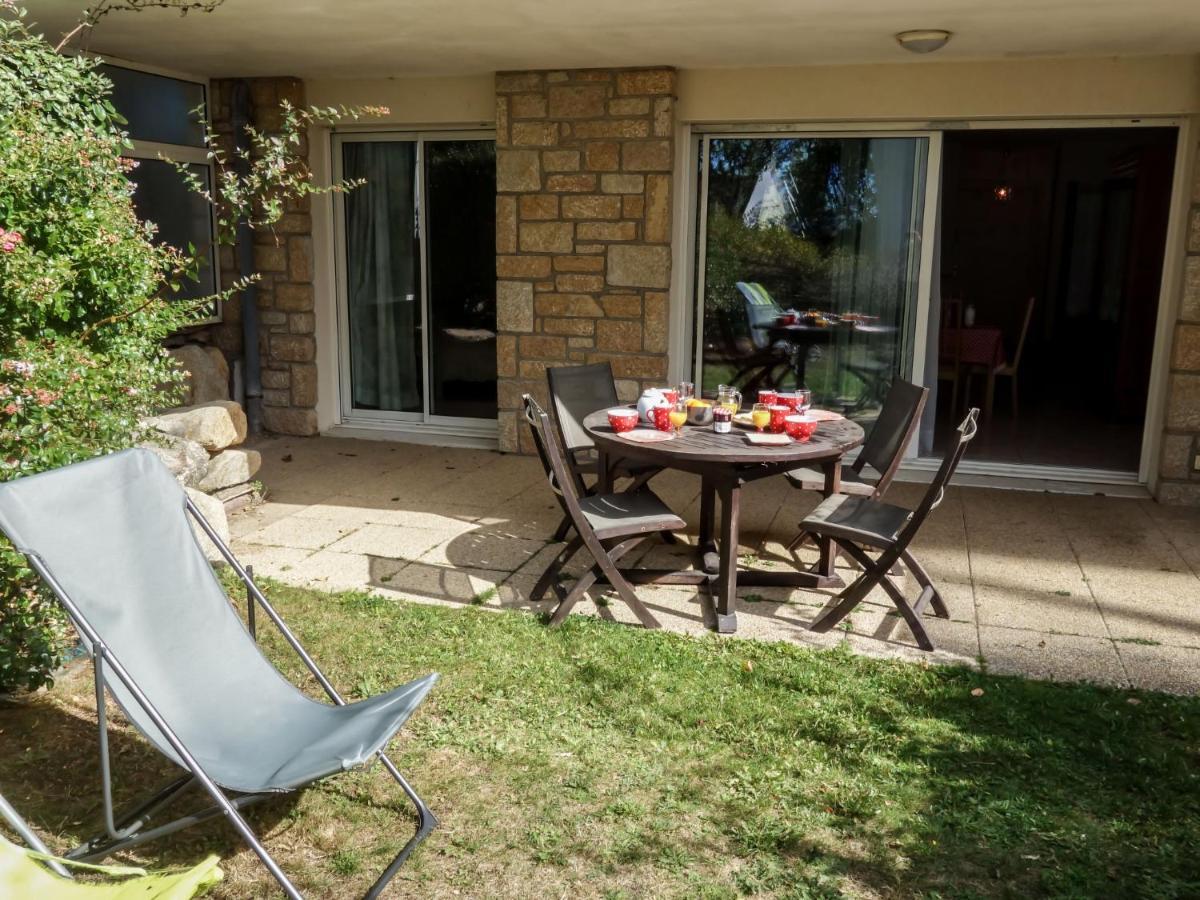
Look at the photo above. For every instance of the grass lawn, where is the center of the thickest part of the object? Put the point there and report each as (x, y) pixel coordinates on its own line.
(604, 761)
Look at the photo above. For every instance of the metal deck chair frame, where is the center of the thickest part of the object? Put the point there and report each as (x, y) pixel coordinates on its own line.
(129, 829)
(606, 546)
(875, 571)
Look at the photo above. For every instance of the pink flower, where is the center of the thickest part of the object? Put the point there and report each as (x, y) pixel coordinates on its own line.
(22, 368)
(45, 397)
(9, 240)
(12, 409)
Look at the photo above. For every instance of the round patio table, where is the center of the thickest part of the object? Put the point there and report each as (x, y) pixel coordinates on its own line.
(724, 463)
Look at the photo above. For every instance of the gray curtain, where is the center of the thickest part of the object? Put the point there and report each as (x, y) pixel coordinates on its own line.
(933, 332)
(382, 275)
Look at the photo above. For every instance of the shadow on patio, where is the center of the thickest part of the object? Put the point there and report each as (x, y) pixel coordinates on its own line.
(1050, 586)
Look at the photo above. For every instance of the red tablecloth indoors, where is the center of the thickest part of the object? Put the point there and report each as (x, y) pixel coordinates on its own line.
(980, 346)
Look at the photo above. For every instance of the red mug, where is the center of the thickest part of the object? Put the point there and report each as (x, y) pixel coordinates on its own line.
(662, 418)
(670, 395)
(768, 397)
(779, 412)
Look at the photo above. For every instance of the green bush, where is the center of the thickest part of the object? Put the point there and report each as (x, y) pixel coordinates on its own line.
(81, 287)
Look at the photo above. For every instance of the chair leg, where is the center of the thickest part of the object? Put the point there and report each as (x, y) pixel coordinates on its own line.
(563, 529)
(799, 540)
(556, 565)
(926, 583)
(854, 594)
(426, 822)
(911, 614)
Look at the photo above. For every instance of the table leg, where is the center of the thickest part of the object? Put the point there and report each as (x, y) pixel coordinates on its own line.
(725, 585)
(603, 473)
(833, 485)
(708, 502)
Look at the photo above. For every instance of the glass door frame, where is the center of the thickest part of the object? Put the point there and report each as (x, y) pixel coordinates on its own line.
(425, 420)
(688, 324)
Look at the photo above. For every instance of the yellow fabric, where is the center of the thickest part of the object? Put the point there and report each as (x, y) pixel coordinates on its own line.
(21, 875)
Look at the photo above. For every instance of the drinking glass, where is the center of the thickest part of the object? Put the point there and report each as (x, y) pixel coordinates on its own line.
(804, 400)
(760, 415)
(687, 390)
(678, 415)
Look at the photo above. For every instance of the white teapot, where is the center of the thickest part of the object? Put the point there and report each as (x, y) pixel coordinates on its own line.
(651, 397)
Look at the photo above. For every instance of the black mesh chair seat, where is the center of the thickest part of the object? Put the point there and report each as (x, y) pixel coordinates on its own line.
(858, 519)
(629, 513)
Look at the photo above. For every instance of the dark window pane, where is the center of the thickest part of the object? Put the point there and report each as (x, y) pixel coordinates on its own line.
(161, 196)
(383, 276)
(158, 108)
(460, 205)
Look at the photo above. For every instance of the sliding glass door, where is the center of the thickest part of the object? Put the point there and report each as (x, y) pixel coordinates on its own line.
(825, 229)
(418, 276)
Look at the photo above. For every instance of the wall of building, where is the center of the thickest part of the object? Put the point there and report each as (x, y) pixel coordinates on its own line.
(283, 256)
(583, 212)
(1179, 480)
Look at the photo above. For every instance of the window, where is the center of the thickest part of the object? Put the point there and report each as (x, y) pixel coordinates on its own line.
(164, 123)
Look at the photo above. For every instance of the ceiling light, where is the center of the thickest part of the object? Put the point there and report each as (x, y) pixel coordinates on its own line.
(923, 41)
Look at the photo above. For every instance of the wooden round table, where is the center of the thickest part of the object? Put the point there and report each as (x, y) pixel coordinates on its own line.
(724, 463)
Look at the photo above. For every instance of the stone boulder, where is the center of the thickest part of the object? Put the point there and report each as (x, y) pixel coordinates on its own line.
(230, 467)
(187, 460)
(214, 426)
(206, 373)
(213, 511)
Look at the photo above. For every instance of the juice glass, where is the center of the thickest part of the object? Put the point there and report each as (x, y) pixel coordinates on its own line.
(760, 415)
(678, 416)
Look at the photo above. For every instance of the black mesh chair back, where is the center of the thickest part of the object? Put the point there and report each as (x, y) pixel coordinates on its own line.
(884, 447)
(575, 392)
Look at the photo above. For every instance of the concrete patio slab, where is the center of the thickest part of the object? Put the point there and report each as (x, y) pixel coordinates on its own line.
(1060, 587)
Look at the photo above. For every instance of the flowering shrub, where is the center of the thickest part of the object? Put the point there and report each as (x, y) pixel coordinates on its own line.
(81, 314)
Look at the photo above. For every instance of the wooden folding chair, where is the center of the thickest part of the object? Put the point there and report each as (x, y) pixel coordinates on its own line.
(860, 524)
(576, 392)
(607, 526)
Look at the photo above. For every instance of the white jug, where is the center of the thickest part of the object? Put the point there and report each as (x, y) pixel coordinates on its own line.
(651, 397)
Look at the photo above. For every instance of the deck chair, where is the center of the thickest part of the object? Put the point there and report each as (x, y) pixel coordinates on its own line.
(575, 393)
(608, 526)
(111, 537)
(882, 452)
(860, 524)
(35, 872)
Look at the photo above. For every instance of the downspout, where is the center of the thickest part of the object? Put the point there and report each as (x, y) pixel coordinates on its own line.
(240, 113)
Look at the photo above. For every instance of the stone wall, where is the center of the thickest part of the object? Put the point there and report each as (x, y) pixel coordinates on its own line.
(584, 163)
(1179, 481)
(284, 258)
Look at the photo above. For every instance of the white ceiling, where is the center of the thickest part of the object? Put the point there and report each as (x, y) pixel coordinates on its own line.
(374, 38)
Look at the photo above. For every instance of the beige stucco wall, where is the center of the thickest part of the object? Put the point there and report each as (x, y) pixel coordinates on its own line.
(469, 100)
(1131, 86)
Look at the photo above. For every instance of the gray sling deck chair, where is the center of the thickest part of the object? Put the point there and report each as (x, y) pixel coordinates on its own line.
(860, 524)
(112, 539)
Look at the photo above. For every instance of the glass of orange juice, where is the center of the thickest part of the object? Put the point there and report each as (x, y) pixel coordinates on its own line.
(760, 415)
(678, 415)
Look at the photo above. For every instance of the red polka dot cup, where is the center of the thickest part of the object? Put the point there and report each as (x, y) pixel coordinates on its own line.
(622, 420)
(662, 418)
(779, 413)
(768, 397)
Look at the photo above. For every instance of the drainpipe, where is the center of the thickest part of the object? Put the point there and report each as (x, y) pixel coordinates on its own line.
(252, 368)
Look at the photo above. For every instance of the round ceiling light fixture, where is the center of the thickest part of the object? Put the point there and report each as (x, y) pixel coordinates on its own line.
(924, 40)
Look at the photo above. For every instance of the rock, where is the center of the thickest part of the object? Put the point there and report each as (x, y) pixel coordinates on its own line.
(230, 467)
(214, 426)
(187, 460)
(213, 511)
(207, 371)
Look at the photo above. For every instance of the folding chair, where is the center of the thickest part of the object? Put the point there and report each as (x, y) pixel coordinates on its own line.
(575, 393)
(35, 872)
(608, 526)
(112, 539)
(855, 523)
(882, 451)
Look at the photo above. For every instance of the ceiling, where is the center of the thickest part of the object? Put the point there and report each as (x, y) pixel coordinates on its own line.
(380, 38)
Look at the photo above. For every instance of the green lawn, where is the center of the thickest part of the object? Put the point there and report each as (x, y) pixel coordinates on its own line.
(600, 760)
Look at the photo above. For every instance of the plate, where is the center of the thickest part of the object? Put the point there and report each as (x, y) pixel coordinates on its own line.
(743, 420)
(825, 415)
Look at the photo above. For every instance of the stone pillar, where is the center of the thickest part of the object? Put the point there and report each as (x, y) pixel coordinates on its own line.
(1179, 480)
(584, 164)
(283, 256)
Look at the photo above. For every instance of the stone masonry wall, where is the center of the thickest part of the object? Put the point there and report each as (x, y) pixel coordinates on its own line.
(584, 163)
(1179, 480)
(284, 258)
